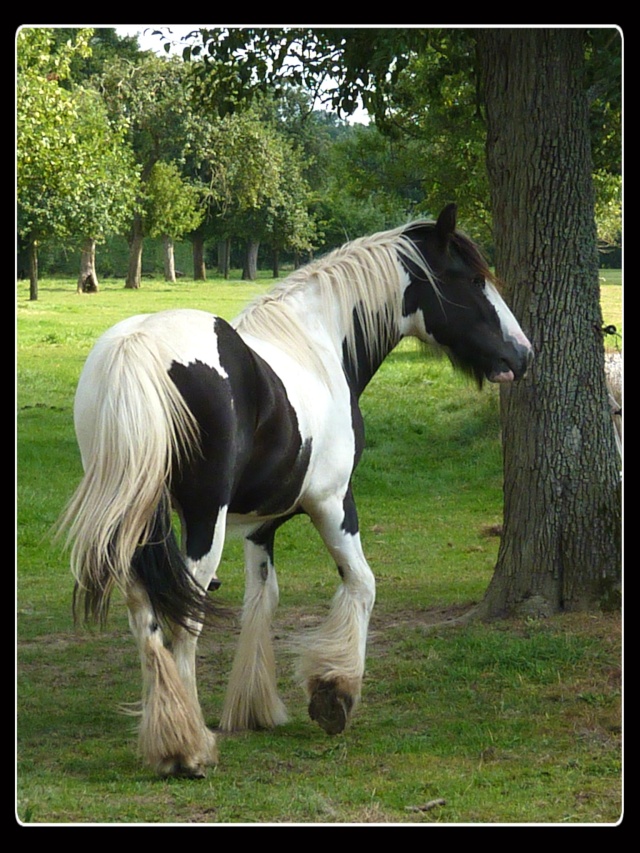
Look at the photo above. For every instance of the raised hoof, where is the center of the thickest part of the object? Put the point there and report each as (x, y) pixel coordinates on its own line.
(330, 707)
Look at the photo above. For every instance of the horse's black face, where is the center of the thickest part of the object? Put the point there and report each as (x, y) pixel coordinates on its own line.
(464, 314)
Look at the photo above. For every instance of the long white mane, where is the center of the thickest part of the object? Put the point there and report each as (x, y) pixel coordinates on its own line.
(365, 276)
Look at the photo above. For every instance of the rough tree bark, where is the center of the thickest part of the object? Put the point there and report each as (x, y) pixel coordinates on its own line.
(561, 543)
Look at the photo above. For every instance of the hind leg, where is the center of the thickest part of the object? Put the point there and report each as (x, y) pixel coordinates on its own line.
(252, 700)
(173, 737)
(203, 567)
(332, 663)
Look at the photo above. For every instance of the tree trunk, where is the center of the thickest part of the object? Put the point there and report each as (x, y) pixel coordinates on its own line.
(224, 257)
(276, 263)
(561, 544)
(169, 258)
(33, 270)
(134, 272)
(88, 279)
(199, 266)
(250, 268)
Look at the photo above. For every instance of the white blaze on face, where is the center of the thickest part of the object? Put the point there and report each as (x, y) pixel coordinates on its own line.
(510, 327)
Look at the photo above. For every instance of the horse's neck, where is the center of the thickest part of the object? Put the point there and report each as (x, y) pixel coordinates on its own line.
(360, 340)
(362, 358)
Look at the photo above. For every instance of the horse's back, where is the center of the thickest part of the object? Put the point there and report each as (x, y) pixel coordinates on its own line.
(162, 338)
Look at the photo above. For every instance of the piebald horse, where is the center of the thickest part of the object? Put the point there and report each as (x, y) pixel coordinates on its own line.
(239, 426)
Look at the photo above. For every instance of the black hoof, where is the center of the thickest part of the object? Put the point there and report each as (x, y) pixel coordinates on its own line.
(214, 585)
(330, 707)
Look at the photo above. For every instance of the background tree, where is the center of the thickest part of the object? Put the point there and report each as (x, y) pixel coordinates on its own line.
(151, 93)
(436, 105)
(173, 208)
(105, 198)
(105, 45)
(255, 189)
(289, 225)
(381, 175)
(76, 176)
(603, 74)
(46, 120)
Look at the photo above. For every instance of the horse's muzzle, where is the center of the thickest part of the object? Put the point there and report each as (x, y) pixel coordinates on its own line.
(514, 368)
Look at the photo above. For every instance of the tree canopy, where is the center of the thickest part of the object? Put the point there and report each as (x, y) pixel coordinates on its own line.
(334, 181)
(423, 84)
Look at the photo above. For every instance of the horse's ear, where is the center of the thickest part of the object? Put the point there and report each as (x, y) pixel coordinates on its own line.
(446, 224)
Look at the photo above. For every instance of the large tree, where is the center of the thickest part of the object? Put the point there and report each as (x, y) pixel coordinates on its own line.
(561, 544)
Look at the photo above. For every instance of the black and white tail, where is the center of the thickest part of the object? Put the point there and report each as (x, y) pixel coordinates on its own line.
(133, 427)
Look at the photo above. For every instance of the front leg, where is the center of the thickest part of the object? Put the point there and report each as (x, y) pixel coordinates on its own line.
(332, 662)
(252, 700)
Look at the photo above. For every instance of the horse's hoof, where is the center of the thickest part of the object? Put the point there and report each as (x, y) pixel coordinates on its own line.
(179, 770)
(330, 707)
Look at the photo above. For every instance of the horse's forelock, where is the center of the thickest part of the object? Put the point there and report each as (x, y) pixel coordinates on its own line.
(473, 257)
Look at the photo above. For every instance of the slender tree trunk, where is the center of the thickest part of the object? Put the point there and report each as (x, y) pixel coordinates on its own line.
(169, 258)
(134, 272)
(199, 266)
(33, 270)
(88, 279)
(561, 547)
(276, 263)
(250, 268)
(224, 257)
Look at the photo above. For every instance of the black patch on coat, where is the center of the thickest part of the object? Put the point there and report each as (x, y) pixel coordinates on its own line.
(361, 362)
(159, 565)
(350, 520)
(252, 457)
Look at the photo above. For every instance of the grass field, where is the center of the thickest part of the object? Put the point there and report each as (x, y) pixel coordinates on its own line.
(514, 722)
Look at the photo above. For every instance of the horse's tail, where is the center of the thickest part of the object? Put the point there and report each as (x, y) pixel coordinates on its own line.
(133, 426)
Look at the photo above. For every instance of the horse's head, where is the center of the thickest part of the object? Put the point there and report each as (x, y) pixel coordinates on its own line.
(462, 311)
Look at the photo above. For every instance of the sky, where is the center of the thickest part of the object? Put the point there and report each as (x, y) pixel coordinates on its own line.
(148, 41)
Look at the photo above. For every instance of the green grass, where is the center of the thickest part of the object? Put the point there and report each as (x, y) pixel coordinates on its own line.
(612, 303)
(513, 722)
